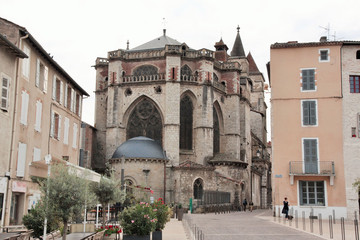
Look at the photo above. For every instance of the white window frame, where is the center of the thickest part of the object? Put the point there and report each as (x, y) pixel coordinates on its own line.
(24, 107)
(7, 87)
(52, 127)
(301, 80)
(41, 85)
(66, 130)
(26, 63)
(316, 112)
(303, 152)
(328, 55)
(75, 135)
(38, 116)
(312, 206)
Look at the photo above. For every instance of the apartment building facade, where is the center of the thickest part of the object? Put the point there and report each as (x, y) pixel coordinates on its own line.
(314, 113)
(46, 122)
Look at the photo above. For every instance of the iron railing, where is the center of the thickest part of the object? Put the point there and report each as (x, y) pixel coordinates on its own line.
(326, 168)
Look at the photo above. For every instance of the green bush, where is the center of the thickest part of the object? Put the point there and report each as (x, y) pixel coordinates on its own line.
(139, 219)
(35, 220)
(162, 212)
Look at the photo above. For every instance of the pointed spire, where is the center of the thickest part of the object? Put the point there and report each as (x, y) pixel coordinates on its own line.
(220, 45)
(238, 49)
(252, 65)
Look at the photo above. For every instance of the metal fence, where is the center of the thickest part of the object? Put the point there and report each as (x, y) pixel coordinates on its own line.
(214, 197)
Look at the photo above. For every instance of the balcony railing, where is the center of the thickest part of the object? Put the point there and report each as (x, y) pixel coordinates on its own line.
(143, 78)
(325, 168)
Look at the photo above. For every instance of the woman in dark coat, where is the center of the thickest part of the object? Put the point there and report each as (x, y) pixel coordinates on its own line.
(285, 209)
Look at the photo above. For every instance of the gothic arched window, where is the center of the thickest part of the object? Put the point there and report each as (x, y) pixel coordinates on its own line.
(185, 72)
(186, 123)
(145, 120)
(145, 70)
(216, 140)
(216, 79)
(129, 186)
(198, 188)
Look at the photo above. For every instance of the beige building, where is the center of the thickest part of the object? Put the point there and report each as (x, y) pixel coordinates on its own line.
(313, 113)
(204, 108)
(43, 120)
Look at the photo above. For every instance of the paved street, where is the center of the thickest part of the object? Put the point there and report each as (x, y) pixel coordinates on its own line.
(245, 226)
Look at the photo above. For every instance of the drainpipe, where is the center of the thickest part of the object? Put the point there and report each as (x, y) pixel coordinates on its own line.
(12, 135)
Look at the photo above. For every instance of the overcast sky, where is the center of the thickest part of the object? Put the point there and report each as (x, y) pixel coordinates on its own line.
(76, 32)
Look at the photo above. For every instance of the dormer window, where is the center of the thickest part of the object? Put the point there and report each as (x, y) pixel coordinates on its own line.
(324, 55)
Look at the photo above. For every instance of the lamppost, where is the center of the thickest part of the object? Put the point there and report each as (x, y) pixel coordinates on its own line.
(48, 163)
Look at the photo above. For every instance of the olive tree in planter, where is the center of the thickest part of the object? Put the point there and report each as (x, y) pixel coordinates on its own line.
(65, 194)
(107, 191)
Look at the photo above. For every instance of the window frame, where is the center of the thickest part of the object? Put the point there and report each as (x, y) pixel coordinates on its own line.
(41, 76)
(300, 194)
(316, 113)
(302, 78)
(7, 98)
(317, 154)
(328, 55)
(26, 63)
(353, 90)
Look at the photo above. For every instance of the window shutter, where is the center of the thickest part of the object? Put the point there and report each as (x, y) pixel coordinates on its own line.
(61, 92)
(75, 130)
(54, 88)
(20, 171)
(305, 112)
(72, 100)
(80, 100)
(311, 79)
(74, 107)
(26, 62)
(59, 130)
(52, 127)
(312, 111)
(4, 93)
(66, 131)
(37, 78)
(305, 85)
(24, 107)
(313, 149)
(46, 73)
(66, 95)
(37, 154)
(38, 116)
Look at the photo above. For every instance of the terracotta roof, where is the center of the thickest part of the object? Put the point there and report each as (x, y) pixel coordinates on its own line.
(252, 65)
(295, 44)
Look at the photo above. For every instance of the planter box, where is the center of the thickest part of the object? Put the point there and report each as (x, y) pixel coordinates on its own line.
(134, 237)
(79, 228)
(180, 213)
(157, 235)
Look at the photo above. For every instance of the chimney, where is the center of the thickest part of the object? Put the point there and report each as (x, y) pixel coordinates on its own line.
(323, 39)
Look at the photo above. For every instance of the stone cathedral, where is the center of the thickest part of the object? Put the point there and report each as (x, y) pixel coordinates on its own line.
(184, 123)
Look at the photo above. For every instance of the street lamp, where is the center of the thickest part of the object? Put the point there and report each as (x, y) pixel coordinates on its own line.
(48, 163)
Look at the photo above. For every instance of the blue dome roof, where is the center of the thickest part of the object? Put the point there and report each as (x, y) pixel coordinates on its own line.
(140, 147)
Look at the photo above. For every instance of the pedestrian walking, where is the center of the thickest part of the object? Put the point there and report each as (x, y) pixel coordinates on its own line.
(244, 204)
(285, 209)
(251, 206)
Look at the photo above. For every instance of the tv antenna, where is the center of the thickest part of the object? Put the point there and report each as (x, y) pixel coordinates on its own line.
(328, 32)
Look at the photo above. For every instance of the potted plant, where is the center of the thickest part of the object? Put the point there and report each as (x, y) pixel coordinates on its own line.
(138, 221)
(110, 231)
(180, 212)
(162, 212)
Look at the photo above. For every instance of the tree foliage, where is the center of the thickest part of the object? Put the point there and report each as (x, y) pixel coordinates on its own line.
(356, 184)
(66, 194)
(35, 220)
(107, 191)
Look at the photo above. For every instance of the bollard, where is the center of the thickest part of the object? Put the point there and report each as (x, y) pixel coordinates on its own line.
(279, 214)
(320, 224)
(334, 216)
(296, 219)
(311, 221)
(342, 229)
(331, 227)
(303, 220)
(356, 227)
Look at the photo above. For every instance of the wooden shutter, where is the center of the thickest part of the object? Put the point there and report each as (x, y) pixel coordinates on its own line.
(310, 155)
(26, 62)
(75, 130)
(306, 111)
(24, 107)
(20, 171)
(37, 154)
(54, 88)
(46, 73)
(305, 85)
(80, 100)
(38, 116)
(61, 92)
(66, 131)
(4, 93)
(59, 128)
(312, 112)
(37, 77)
(52, 127)
(311, 79)
(72, 100)
(66, 95)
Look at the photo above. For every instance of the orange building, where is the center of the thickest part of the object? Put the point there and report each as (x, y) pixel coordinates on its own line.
(308, 131)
